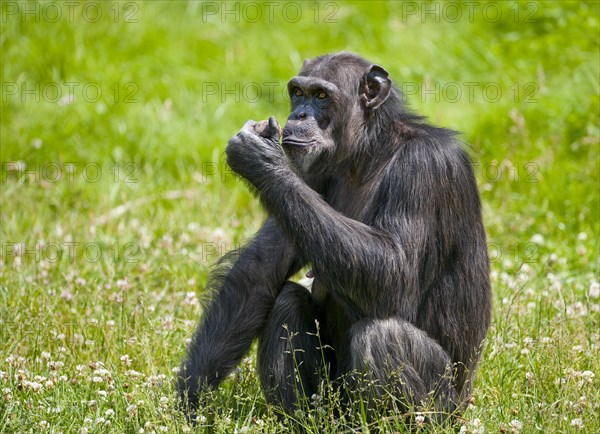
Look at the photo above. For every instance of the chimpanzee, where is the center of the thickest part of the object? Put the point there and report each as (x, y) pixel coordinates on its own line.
(385, 210)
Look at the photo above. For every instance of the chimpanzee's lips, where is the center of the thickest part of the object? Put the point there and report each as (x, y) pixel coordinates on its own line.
(292, 141)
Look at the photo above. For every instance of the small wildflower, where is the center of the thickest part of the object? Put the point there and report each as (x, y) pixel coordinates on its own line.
(516, 426)
(594, 291)
(537, 239)
(6, 394)
(191, 299)
(588, 376)
(420, 420)
(132, 410)
(33, 385)
(577, 423)
(55, 366)
(316, 399)
(123, 284)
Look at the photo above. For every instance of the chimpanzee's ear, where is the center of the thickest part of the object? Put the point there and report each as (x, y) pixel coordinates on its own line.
(375, 87)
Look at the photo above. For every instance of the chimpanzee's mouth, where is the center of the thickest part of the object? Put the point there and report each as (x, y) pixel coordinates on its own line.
(292, 141)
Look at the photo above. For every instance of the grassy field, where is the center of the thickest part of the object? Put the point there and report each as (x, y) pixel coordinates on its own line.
(116, 200)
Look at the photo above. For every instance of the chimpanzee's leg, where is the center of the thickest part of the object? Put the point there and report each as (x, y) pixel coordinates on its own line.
(396, 357)
(290, 360)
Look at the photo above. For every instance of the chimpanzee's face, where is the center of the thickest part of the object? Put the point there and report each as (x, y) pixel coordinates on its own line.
(308, 132)
(329, 100)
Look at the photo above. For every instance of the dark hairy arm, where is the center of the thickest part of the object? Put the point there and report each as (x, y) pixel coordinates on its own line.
(243, 290)
(364, 265)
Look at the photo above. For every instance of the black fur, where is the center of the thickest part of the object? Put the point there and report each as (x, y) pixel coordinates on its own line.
(385, 209)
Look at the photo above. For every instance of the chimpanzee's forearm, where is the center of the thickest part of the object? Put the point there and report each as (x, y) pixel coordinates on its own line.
(244, 293)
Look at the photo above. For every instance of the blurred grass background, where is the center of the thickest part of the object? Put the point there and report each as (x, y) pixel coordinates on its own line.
(177, 79)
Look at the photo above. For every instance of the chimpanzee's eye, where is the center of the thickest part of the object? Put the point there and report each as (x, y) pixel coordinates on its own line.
(298, 92)
(321, 95)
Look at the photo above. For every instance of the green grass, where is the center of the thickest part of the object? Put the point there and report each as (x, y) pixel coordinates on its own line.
(89, 341)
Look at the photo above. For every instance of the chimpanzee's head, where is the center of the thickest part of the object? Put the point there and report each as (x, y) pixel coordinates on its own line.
(332, 100)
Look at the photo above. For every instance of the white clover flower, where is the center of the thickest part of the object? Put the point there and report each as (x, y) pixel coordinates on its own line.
(537, 239)
(594, 291)
(191, 299)
(131, 409)
(103, 372)
(577, 423)
(123, 284)
(33, 385)
(516, 425)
